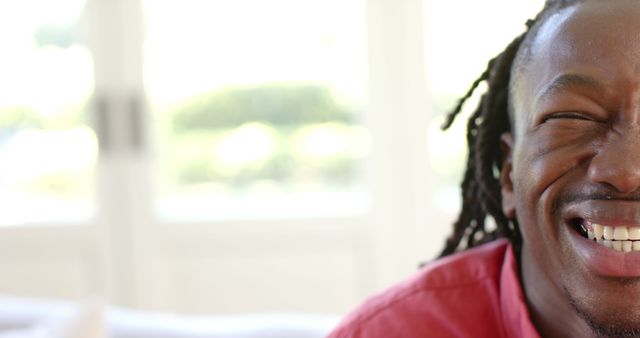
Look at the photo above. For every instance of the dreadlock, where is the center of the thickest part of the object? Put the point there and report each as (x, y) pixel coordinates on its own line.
(481, 196)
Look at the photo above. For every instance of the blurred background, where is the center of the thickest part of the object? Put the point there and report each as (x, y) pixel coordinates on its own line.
(228, 157)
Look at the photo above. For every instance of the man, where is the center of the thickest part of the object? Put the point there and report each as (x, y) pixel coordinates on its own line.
(554, 160)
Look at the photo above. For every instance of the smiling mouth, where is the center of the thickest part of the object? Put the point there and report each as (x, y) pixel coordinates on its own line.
(619, 238)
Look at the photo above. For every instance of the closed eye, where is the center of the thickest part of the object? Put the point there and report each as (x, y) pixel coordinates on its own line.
(567, 115)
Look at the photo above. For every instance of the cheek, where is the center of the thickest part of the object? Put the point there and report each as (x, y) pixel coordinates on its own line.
(544, 166)
(544, 159)
(529, 201)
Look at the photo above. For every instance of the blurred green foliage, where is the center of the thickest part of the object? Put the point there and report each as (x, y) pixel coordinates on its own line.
(17, 122)
(275, 104)
(191, 160)
(22, 117)
(199, 125)
(193, 134)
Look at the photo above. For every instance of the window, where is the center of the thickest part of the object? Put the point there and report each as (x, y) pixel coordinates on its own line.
(47, 150)
(258, 106)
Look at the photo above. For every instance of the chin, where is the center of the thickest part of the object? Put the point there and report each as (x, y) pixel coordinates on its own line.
(616, 315)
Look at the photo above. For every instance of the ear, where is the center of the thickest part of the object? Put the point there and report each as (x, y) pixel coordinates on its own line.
(506, 176)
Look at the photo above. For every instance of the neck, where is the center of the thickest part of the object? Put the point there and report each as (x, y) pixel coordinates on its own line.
(549, 308)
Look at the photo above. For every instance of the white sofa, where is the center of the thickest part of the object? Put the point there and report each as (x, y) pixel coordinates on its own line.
(24, 317)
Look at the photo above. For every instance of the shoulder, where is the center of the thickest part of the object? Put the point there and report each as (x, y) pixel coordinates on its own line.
(437, 300)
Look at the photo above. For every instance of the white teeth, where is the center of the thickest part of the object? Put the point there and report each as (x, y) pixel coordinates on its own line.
(624, 239)
(608, 232)
(617, 245)
(597, 230)
(620, 234)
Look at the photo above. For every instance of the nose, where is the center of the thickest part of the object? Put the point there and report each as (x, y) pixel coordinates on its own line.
(617, 162)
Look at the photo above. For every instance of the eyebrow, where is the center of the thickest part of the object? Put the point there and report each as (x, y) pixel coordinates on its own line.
(569, 81)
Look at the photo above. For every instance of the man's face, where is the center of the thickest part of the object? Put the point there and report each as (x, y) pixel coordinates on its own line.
(574, 162)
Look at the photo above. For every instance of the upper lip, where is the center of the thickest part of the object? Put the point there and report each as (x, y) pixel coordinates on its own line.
(607, 212)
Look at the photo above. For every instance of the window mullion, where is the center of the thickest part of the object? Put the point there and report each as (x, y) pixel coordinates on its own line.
(115, 38)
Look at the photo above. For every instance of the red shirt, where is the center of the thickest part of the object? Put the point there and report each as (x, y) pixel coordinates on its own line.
(475, 293)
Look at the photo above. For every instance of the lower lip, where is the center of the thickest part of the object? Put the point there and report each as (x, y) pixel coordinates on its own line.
(604, 261)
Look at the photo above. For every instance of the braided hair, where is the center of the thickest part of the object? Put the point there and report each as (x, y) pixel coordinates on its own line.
(481, 196)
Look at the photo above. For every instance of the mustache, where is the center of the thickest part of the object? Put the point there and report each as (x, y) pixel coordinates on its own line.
(601, 193)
